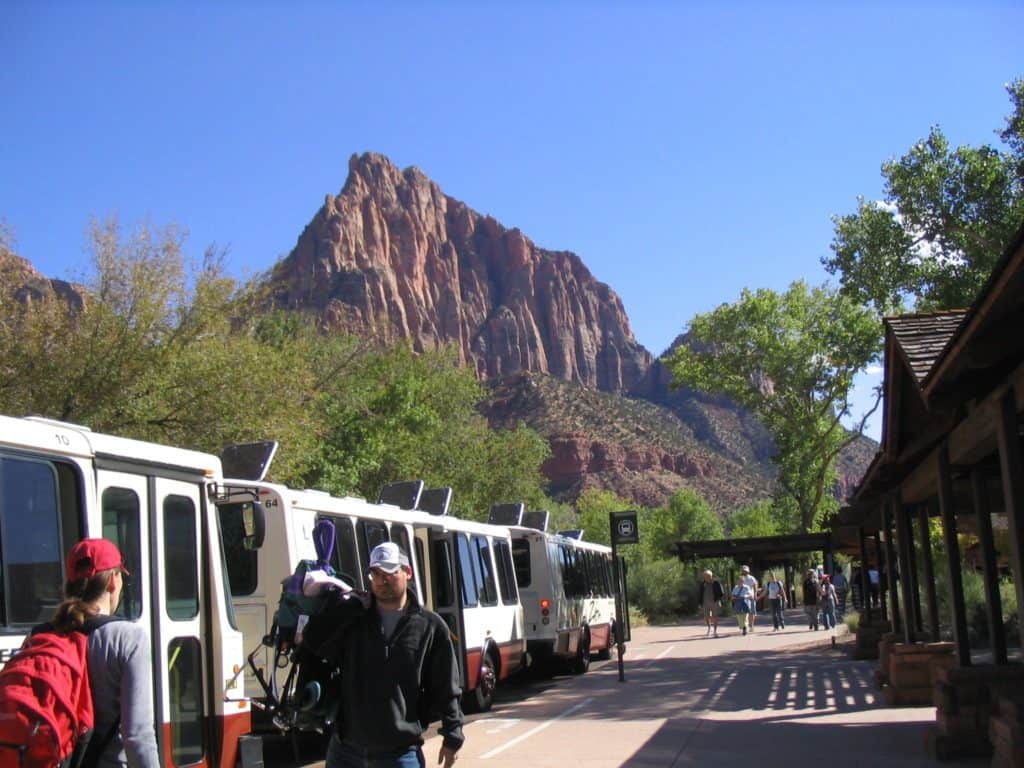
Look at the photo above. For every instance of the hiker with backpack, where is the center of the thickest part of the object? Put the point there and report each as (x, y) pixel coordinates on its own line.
(85, 656)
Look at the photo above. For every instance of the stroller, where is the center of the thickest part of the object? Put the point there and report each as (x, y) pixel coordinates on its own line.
(307, 700)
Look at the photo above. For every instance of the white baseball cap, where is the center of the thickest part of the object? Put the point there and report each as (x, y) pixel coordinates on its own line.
(388, 557)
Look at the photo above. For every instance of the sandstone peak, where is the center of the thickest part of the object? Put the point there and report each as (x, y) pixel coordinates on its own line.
(394, 257)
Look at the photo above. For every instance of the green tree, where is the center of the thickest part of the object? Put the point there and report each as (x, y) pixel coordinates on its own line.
(755, 520)
(148, 349)
(593, 508)
(791, 359)
(946, 218)
(396, 415)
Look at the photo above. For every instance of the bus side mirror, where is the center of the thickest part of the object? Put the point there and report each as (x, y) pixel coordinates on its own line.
(254, 521)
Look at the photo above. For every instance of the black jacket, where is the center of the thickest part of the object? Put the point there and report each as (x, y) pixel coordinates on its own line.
(716, 586)
(391, 691)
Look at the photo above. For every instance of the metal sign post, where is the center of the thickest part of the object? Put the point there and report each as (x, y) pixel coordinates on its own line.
(624, 530)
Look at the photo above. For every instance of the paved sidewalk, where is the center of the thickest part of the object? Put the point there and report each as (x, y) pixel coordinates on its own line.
(787, 699)
(768, 699)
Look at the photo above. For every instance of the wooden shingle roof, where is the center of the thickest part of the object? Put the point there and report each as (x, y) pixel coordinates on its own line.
(922, 337)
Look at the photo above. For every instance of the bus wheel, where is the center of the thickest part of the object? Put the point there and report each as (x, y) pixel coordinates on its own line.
(581, 663)
(482, 698)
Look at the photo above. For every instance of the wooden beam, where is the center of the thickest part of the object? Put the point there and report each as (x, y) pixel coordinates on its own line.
(903, 544)
(993, 602)
(890, 569)
(931, 596)
(956, 583)
(865, 580)
(1011, 468)
(969, 442)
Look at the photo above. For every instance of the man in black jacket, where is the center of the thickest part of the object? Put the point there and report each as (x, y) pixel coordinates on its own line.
(398, 673)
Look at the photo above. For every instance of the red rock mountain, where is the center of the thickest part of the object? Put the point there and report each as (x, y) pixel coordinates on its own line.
(391, 255)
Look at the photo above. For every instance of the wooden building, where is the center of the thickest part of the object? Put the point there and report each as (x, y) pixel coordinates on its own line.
(951, 449)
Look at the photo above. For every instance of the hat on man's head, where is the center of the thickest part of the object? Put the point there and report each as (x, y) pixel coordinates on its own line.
(90, 556)
(745, 569)
(388, 557)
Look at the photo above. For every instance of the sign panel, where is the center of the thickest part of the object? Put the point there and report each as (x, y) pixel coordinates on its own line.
(624, 528)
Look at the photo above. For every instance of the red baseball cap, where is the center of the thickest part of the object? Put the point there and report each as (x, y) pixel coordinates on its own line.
(90, 556)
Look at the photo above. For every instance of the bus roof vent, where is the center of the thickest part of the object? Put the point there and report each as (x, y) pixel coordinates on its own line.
(248, 461)
(575, 533)
(435, 500)
(536, 519)
(506, 514)
(405, 495)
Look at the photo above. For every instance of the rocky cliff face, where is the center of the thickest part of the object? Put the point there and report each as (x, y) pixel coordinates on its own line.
(392, 256)
(20, 280)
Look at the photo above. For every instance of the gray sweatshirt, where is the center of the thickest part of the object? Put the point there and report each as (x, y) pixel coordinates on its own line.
(120, 676)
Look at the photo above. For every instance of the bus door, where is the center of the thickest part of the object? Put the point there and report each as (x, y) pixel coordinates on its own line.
(175, 598)
(442, 573)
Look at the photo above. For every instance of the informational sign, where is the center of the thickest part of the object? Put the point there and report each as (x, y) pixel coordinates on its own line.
(624, 528)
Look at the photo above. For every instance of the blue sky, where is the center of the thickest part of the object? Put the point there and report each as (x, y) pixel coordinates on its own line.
(685, 150)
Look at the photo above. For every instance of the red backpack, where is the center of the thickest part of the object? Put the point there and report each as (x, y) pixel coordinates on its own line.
(46, 711)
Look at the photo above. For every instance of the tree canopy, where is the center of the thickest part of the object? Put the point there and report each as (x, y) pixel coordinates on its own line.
(946, 218)
(791, 359)
(158, 348)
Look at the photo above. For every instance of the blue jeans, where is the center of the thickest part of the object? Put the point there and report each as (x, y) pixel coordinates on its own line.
(341, 755)
(828, 614)
(778, 618)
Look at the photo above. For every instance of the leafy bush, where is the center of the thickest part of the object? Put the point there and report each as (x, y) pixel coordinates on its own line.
(656, 588)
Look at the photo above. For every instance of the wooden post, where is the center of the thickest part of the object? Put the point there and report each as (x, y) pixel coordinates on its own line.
(878, 567)
(993, 602)
(865, 582)
(903, 544)
(1011, 467)
(890, 566)
(929, 572)
(956, 584)
(915, 582)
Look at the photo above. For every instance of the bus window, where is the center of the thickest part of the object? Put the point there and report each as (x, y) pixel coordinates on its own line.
(185, 684)
(441, 577)
(401, 537)
(488, 587)
(121, 520)
(470, 581)
(31, 556)
(506, 572)
(346, 555)
(242, 563)
(371, 533)
(182, 559)
(521, 561)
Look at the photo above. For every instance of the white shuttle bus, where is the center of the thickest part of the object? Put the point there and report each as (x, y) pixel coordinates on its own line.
(61, 482)
(567, 587)
(462, 570)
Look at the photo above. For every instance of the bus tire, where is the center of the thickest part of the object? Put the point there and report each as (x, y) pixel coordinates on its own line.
(581, 663)
(481, 698)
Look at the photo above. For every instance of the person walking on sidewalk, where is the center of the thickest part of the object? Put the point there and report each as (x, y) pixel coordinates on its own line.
(751, 582)
(711, 593)
(810, 590)
(842, 585)
(742, 603)
(828, 602)
(775, 593)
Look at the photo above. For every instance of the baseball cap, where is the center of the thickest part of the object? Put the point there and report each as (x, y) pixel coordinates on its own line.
(745, 569)
(388, 557)
(90, 556)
